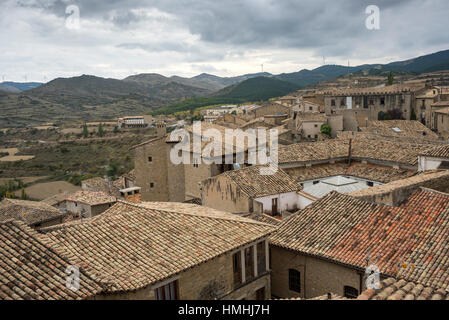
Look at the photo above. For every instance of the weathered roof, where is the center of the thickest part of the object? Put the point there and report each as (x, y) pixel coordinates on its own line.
(402, 152)
(350, 231)
(57, 198)
(261, 217)
(131, 246)
(91, 198)
(100, 185)
(443, 110)
(311, 117)
(256, 185)
(32, 270)
(437, 152)
(400, 128)
(30, 212)
(400, 289)
(338, 183)
(408, 182)
(371, 172)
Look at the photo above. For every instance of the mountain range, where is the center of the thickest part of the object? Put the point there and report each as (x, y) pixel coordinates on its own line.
(151, 91)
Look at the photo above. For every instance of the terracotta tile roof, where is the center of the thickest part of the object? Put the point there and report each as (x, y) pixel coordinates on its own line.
(261, 217)
(443, 110)
(393, 289)
(30, 212)
(356, 169)
(401, 152)
(255, 185)
(91, 198)
(394, 185)
(32, 270)
(349, 231)
(57, 198)
(441, 104)
(130, 246)
(437, 152)
(400, 128)
(100, 185)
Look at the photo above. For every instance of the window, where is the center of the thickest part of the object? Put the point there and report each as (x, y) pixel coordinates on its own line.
(351, 292)
(237, 267)
(382, 101)
(371, 102)
(167, 292)
(316, 126)
(370, 184)
(151, 185)
(316, 182)
(249, 263)
(310, 108)
(316, 136)
(294, 280)
(333, 103)
(150, 159)
(342, 103)
(261, 259)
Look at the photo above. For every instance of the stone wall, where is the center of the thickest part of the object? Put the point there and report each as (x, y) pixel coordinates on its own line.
(318, 277)
(210, 280)
(222, 194)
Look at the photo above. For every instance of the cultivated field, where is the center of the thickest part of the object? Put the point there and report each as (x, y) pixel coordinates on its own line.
(41, 191)
(12, 155)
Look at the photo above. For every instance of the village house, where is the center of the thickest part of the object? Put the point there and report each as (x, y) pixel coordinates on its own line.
(86, 204)
(34, 214)
(247, 190)
(134, 122)
(328, 246)
(436, 158)
(163, 180)
(169, 251)
(58, 200)
(442, 121)
(30, 270)
(361, 105)
(99, 184)
(270, 109)
(435, 108)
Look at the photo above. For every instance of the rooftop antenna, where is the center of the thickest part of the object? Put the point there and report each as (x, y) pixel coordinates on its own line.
(26, 78)
(3, 77)
(262, 67)
(324, 61)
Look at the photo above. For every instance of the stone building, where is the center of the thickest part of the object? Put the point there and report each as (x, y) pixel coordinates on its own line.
(442, 121)
(247, 190)
(271, 109)
(434, 159)
(34, 214)
(361, 105)
(330, 245)
(170, 251)
(86, 204)
(163, 180)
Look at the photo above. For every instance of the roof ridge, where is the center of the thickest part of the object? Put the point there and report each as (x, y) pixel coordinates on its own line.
(232, 217)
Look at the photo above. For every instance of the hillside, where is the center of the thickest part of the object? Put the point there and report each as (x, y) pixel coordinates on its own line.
(18, 86)
(253, 89)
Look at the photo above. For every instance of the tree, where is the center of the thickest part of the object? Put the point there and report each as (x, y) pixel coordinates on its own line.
(390, 79)
(234, 112)
(23, 196)
(326, 129)
(85, 131)
(116, 130)
(100, 130)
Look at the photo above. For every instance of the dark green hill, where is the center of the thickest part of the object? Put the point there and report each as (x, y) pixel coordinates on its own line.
(254, 89)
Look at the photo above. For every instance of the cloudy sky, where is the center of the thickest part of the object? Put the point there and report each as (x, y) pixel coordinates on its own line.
(44, 39)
